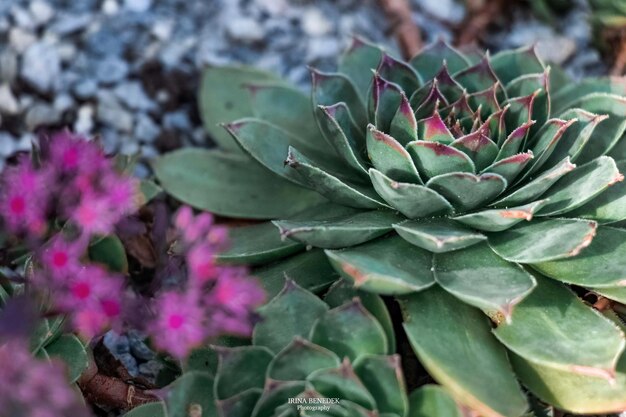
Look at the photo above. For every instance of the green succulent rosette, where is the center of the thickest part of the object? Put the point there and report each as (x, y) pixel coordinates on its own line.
(308, 357)
(483, 193)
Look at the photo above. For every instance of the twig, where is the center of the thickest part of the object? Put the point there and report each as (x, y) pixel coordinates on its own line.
(406, 31)
(476, 23)
(602, 304)
(110, 392)
(620, 57)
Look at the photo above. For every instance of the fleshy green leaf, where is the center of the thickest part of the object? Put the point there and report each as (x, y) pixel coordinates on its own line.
(438, 235)
(430, 58)
(434, 158)
(412, 200)
(350, 330)
(514, 141)
(385, 266)
(481, 150)
(565, 98)
(356, 63)
(544, 240)
(385, 98)
(497, 220)
(608, 207)
(223, 97)
(382, 375)
(109, 252)
(339, 232)
(310, 270)
(299, 359)
(469, 275)
(432, 401)
(389, 157)
(330, 186)
(240, 405)
(398, 72)
(545, 141)
(433, 129)
(193, 389)
(580, 186)
(256, 244)
(275, 394)
(574, 338)
(467, 191)
(478, 77)
(601, 264)
(510, 64)
(403, 125)
(291, 313)
(240, 369)
(342, 382)
(331, 88)
(536, 187)
(229, 185)
(454, 342)
(156, 409)
(70, 350)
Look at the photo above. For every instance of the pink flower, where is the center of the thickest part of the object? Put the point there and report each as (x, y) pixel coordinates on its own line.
(61, 257)
(34, 388)
(180, 323)
(201, 263)
(24, 197)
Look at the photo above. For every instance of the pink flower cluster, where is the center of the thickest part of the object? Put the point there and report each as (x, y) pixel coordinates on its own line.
(35, 388)
(72, 185)
(73, 180)
(215, 300)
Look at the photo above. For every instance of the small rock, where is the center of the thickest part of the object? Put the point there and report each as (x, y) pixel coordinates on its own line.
(139, 6)
(8, 103)
(129, 362)
(117, 344)
(111, 112)
(25, 143)
(150, 369)
(162, 29)
(129, 146)
(41, 66)
(138, 347)
(41, 114)
(7, 144)
(145, 129)
(447, 10)
(69, 23)
(84, 120)
(8, 66)
(110, 7)
(178, 120)
(325, 47)
(174, 52)
(62, 102)
(41, 11)
(85, 89)
(67, 51)
(314, 23)
(20, 39)
(22, 18)
(111, 70)
(556, 49)
(245, 29)
(134, 96)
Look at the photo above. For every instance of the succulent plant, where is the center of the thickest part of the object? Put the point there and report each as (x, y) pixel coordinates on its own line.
(478, 192)
(608, 19)
(308, 357)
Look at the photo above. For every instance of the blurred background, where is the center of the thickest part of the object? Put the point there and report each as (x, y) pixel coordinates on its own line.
(128, 70)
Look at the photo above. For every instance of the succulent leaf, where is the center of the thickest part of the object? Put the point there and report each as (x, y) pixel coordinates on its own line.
(438, 235)
(432, 401)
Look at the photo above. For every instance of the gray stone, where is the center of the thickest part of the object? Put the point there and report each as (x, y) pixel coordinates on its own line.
(111, 112)
(41, 11)
(41, 114)
(25, 142)
(320, 48)
(67, 51)
(7, 144)
(129, 362)
(110, 7)
(117, 344)
(8, 65)
(84, 121)
(447, 10)
(85, 89)
(68, 23)
(556, 49)
(134, 96)
(128, 146)
(150, 369)
(138, 347)
(8, 103)
(22, 18)
(111, 70)
(145, 129)
(41, 67)
(245, 30)
(63, 102)
(139, 6)
(315, 23)
(162, 29)
(20, 39)
(178, 120)
(173, 53)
